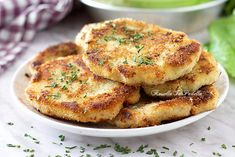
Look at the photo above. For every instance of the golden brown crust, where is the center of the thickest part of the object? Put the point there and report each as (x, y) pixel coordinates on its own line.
(183, 54)
(134, 52)
(155, 112)
(204, 73)
(53, 52)
(65, 88)
(81, 36)
(204, 99)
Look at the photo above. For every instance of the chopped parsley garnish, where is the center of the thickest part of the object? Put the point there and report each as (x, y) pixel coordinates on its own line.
(108, 38)
(203, 139)
(191, 144)
(209, 128)
(101, 62)
(85, 96)
(56, 95)
(72, 147)
(63, 73)
(145, 61)
(102, 146)
(223, 146)
(10, 123)
(141, 148)
(57, 143)
(64, 87)
(125, 29)
(120, 149)
(125, 62)
(82, 149)
(70, 65)
(182, 155)
(111, 155)
(175, 153)
(233, 146)
(73, 76)
(136, 37)
(152, 152)
(88, 145)
(13, 145)
(121, 40)
(62, 137)
(98, 155)
(134, 59)
(141, 60)
(139, 48)
(33, 138)
(150, 33)
(216, 154)
(29, 150)
(54, 84)
(194, 152)
(165, 148)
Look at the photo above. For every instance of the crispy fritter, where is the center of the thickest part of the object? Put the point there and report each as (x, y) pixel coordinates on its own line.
(134, 52)
(53, 52)
(155, 112)
(81, 36)
(65, 88)
(204, 73)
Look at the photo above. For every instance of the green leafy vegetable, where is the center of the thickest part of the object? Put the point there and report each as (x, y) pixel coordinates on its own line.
(155, 3)
(222, 45)
(229, 7)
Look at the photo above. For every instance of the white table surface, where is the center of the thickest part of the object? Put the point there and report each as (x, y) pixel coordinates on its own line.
(221, 122)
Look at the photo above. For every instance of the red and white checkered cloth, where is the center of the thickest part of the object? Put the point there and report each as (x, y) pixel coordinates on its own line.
(21, 19)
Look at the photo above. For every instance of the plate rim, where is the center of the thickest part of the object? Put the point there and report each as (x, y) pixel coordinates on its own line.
(107, 132)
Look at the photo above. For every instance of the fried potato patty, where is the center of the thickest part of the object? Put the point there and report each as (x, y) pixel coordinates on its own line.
(155, 112)
(81, 36)
(134, 52)
(53, 52)
(65, 88)
(204, 73)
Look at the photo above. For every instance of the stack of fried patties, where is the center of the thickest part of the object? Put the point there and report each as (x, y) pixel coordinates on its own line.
(126, 73)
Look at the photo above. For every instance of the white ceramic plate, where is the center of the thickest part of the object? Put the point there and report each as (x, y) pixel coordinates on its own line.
(20, 82)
